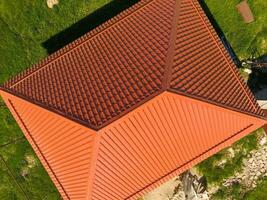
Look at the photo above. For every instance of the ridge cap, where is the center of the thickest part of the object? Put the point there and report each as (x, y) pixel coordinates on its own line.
(173, 91)
(171, 48)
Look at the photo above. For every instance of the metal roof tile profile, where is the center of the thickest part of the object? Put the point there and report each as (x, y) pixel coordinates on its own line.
(133, 103)
(107, 73)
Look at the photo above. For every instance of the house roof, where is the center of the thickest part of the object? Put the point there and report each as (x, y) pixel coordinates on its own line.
(154, 46)
(155, 142)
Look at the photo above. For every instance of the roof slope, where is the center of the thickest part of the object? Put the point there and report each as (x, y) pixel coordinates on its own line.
(110, 71)
(202, 67)
(155, 142)
(64, 147)
(161, 139)
(132, 58)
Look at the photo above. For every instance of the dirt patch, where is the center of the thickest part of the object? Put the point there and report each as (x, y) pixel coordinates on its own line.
(245, 11)
(52, 3)
(169, 190)
(31, 161)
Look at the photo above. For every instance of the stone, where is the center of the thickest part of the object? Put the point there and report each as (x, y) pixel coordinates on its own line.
(263, 141)
(248, 71)
(257, 154)
(250, 160)
(52, 3)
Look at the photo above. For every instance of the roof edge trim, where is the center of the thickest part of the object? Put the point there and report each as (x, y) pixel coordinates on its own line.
(214, 103)
(191, 160)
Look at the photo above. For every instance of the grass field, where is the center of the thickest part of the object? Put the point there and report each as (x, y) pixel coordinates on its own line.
(216, 173)
(24, 27)
(25, 173)
(234, 192)
(258, 193)
(246, 39)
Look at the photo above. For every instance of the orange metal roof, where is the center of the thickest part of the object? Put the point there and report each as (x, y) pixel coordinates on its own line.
(154, 46)
(133, 155)
(133, 103)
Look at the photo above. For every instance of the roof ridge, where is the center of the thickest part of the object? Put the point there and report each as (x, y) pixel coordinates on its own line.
(171, 49)
(171, 90)
(51, 109)
(143, 3)
(75, 119)
(228, 64)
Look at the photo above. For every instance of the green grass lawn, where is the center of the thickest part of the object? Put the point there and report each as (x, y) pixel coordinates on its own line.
(237, 192)
(28, 178)
(8, 129)
(246, 39)
(24, 26)
(8, 189)
(216, 173)
(258, 193)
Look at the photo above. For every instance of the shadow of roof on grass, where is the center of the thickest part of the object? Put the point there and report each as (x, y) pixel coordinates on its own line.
(220, 33)
(86, 24)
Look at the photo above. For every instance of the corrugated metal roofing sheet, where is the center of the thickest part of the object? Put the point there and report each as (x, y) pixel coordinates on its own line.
(146, 147)
(153, 46)
(64, 147)
(162, 138)
(110, 72)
